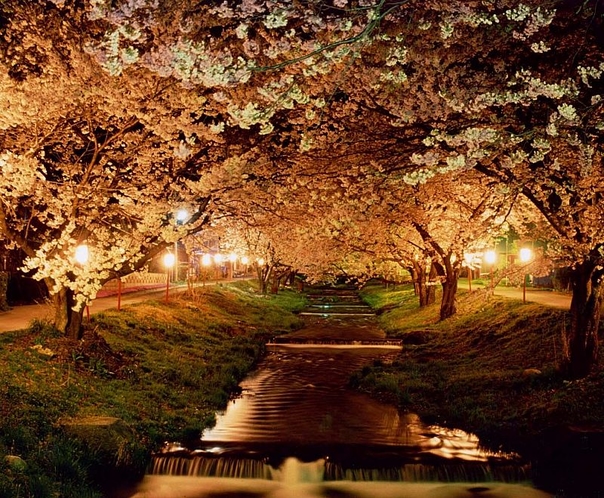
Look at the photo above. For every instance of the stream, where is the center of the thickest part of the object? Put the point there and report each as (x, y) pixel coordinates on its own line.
(298, 430)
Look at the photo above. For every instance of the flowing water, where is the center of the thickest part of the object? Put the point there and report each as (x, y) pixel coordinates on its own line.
(298, 430)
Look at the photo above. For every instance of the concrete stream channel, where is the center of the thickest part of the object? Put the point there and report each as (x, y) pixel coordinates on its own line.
(298, 430)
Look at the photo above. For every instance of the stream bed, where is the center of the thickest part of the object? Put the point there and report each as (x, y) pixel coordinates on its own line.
(298, 429)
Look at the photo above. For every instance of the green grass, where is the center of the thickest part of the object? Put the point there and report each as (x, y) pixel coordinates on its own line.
(469, 371)
(163, 368)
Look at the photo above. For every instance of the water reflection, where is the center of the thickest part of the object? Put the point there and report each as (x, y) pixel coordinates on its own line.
(297, 430)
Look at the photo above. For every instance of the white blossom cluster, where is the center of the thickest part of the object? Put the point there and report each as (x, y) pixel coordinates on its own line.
(534, 20)
(531, 88)
(590, 72)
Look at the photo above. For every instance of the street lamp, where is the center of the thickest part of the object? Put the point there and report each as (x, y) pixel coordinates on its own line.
(169, 260)
(218, 259)
(232, 259)
(490, 257)
(245, 261)
(82, 254)
(206, 260)
(525, 256)
(181, 216)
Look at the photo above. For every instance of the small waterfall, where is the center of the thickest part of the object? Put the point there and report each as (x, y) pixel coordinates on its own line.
(292, 470)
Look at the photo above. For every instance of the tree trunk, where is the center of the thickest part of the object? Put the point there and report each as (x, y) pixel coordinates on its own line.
(66, 320)
(264, 274)
(449, 274)
(581, 340)
(421, 289)
(447, 306)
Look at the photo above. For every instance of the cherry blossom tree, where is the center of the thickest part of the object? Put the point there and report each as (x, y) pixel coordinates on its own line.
(87, 158)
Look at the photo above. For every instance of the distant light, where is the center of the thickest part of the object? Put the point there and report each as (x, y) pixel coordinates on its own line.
(206, 259)
(525, 254)
(182, 215)
(490, 257)
(245, 260)
(261, 261)
(169, 260)
(81, 254)
(232, 257)
(218, 258)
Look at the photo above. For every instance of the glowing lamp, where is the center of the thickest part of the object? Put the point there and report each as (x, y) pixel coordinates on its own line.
(169, 260)
(525, 254)
(490, 257)
(81, 254)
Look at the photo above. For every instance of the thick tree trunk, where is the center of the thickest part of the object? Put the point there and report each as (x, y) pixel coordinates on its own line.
(447, 306)
(581, 340)
(449, 274)
(66, 319)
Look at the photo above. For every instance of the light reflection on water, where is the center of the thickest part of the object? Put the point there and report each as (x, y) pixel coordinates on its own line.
(301, 396)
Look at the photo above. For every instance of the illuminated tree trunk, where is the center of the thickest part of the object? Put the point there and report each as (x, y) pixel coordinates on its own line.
(264, 274)
(66, 319)
(418, 275)
(447, 306)
(449, 274)
(581, 340)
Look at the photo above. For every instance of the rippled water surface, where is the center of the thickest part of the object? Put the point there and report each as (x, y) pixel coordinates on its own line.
(298, 429)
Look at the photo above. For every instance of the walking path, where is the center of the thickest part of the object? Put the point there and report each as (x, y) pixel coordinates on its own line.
(19, 317)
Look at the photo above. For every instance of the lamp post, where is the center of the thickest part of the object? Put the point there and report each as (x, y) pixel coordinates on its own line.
(232, 259)
(206, 260)
(169, 260)
(181, 217)
(490, 257)
(525, 256)
(218, 259)
(82, 255)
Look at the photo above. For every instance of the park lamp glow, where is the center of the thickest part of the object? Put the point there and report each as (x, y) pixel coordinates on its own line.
(206, 259)
(169, 260)
(232, 257)
(82, 254)
(490, 257)
(245, 260)
(181, 216)
(525, 254)
(218, 258)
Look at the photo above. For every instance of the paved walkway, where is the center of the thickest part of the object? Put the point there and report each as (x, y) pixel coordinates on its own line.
(19, 317)
(542, 296)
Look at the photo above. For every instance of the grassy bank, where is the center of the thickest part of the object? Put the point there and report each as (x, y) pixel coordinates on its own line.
(162, 368)
(492, 369)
